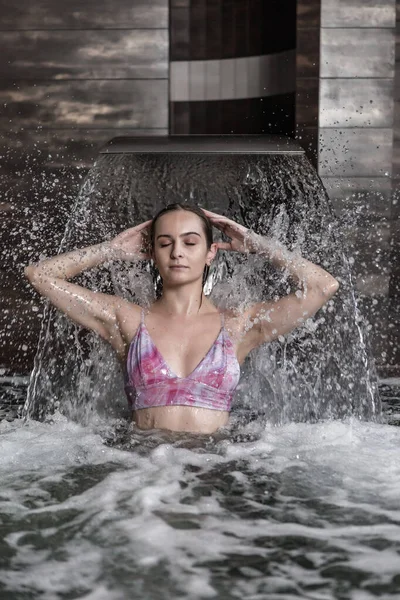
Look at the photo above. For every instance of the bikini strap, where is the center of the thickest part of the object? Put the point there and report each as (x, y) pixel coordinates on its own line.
(222, 314)
(142, 316)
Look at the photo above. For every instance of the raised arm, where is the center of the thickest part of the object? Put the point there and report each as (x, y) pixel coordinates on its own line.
(93, 310)
(316, 286)
(266, 321)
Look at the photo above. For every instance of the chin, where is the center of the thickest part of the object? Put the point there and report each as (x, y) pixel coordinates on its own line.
(174, 277)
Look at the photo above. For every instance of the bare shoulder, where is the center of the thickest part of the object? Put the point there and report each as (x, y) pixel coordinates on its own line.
(128, 318)
(240, 330)
(234, 323)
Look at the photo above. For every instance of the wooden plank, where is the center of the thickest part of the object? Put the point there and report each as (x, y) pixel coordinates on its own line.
(307, 52)
(358, 13)
(84, 104)
(365, 152)
(57, 148)
(90, 14)
(370, 244)
(308, 13)
(356, 103)
(362, 195)
(180, 33)
(307, 137)
(307, 98)
(84, 54)
(357, 53)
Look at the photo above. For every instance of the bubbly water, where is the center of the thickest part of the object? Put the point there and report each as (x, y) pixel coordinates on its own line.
(265, 508)
(321, 370)
(293, 511)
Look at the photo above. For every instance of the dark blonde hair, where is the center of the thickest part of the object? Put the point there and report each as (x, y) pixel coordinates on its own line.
(207, 228)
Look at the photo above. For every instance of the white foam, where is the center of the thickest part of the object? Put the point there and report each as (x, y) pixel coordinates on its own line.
(108, 523)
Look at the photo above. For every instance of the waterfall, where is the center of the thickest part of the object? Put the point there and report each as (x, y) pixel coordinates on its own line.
(323, 369)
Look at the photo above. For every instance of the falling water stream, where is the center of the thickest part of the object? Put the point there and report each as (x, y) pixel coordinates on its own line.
(298, 497)
(321, 370)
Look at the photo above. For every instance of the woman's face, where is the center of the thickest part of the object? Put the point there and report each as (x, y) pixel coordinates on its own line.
(180, 248)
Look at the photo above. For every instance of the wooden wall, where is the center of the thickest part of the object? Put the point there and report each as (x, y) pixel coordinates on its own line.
(75, 74)
(307, 75)
(394, 281)
(356, 112)
(232, 66)
(72, 75)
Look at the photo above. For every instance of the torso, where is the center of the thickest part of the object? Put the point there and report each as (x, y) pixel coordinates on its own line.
(183, 343)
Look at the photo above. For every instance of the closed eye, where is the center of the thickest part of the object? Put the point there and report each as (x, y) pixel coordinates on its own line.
(186, 243)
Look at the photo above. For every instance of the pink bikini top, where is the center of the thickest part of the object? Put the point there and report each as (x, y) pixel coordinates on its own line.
(150, 381)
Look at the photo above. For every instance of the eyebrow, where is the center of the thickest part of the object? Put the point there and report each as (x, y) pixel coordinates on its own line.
(182, 234)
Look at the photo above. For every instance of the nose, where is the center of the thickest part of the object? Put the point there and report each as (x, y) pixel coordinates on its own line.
(176, 250)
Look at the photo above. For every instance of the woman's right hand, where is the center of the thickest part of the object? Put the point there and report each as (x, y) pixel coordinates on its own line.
(132, 244)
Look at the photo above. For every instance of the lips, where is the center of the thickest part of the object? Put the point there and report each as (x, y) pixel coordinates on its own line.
(178, 267)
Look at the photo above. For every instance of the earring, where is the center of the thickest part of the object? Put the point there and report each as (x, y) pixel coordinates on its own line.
(206, 272)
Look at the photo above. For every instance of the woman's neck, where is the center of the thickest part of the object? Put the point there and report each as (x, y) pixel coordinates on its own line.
(183, 301)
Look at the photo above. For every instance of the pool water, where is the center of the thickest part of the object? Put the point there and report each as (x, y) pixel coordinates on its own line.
(279, 512)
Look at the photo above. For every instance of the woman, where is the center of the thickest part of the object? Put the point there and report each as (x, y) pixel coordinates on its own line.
(181, 357)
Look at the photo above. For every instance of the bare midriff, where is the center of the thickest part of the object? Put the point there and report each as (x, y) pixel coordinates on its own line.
(181, 418)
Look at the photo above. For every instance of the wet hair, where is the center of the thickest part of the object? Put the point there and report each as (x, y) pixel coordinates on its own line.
(207, 228)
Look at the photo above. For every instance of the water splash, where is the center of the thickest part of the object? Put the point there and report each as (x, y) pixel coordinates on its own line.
(321, 370)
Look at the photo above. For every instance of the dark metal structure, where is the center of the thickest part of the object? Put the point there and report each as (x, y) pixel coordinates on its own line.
(203, 144)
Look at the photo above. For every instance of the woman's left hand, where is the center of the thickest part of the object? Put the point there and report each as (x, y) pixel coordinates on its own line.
(242, 239)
